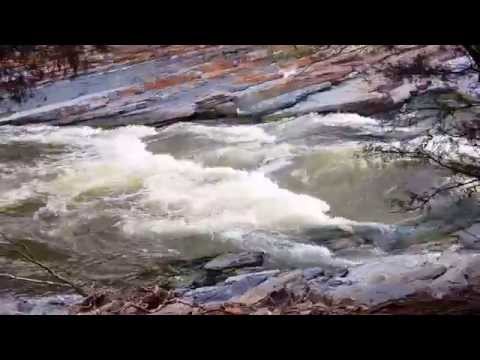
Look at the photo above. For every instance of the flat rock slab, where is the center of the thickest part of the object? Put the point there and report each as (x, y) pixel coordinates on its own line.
(255, 106)
(260, 292)
(233, 287)
(232, 261)
(355, 95)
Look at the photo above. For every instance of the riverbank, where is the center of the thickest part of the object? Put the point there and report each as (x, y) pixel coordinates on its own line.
(446, 283)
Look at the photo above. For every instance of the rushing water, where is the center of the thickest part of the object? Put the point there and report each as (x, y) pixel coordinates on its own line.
(111, 205)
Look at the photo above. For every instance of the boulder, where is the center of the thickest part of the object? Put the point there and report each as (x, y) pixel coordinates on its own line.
(234, 286)
(266, 288)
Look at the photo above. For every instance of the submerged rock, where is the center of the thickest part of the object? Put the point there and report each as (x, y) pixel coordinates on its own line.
(312, 273)
(231, 261)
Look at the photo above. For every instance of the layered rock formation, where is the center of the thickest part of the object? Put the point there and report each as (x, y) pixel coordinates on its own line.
(159, 85)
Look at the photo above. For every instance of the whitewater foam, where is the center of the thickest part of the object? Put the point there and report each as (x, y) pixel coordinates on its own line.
(225, 134)
(177, 199)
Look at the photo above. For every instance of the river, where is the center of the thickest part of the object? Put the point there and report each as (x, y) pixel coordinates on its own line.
(117, 206)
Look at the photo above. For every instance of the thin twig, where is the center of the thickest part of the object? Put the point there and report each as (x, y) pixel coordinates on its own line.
(27, 256)
(131, 304)
(36, 281)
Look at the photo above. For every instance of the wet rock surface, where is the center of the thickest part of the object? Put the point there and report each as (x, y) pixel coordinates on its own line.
(50, 305)
(231, 261)
(447, 282)
(369, 285)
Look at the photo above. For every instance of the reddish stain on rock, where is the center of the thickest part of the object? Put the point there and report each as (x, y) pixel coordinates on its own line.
(332, 74)
(216, 68)
(170, 81)
(132, 91)
(256, 78)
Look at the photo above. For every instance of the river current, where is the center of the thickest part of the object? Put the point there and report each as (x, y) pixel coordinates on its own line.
(109, 205)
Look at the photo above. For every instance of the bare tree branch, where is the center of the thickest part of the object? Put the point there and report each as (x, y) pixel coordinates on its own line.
(26, 255)
(36, 281)
(446, 153)
(473, 52)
